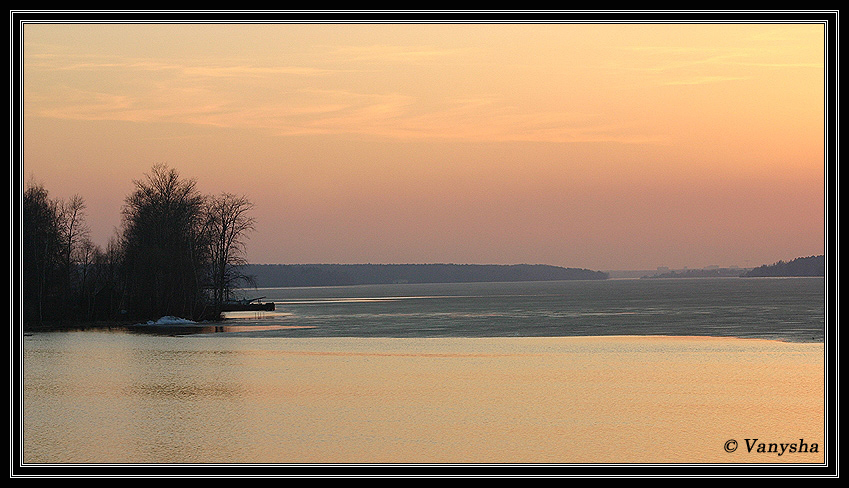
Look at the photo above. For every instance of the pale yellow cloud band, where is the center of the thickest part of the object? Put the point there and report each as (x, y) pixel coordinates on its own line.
(400, 91)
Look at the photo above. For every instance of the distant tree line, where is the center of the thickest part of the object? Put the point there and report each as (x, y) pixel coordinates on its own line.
(178, 253)
(288, 275)
(806, 266)
(701, 273)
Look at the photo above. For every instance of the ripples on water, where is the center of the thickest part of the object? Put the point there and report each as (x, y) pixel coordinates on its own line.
(374, 374)
(783, 309)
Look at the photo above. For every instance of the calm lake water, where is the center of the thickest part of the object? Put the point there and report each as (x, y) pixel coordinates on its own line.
(616, 371)
(781, 309)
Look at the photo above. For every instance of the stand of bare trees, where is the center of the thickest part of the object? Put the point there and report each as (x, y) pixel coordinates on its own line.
(40, 249)
(179, 253)
(228, 221)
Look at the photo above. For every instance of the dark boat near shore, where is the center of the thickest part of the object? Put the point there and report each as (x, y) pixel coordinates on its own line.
(247, 305)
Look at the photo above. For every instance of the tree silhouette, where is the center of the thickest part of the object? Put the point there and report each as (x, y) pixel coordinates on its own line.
(178, 253)
(165, 251)
(227, 224)
(76, 250)
(41, 244)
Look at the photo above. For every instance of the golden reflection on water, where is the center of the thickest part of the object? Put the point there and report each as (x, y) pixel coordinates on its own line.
(133, 399)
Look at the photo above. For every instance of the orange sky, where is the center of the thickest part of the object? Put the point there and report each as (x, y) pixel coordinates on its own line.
(617, 146)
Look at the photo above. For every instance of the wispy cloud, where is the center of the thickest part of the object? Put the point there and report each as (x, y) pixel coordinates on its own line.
(396, 54)
(703, 80)
(284, 100)
(701, 65)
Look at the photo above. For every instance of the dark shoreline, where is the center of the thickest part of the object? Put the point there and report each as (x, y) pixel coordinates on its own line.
(311, 275)
(316, 326)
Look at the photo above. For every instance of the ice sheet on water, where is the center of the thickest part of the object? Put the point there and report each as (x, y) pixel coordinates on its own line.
(170, 320)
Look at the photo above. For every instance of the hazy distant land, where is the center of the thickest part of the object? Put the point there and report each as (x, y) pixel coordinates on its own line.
(296, 275)
(807, 266)
(293, 275)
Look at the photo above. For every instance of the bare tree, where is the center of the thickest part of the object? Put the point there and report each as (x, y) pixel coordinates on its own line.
(165, 252)
(75, 244)
(74, 229)
(99, 282)
(227, 224)
(40, 244)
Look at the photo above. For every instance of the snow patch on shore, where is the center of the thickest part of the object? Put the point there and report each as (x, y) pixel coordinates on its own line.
(170, 320)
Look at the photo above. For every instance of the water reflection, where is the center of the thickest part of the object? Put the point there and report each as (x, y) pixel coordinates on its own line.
(145, 398)
(180, 330)
(180, 390)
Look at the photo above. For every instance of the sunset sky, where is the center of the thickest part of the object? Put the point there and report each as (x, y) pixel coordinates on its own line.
(601, 146)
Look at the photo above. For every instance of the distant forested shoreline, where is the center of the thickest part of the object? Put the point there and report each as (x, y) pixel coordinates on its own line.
(799, 267)
(807, 266)
(295, 275)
